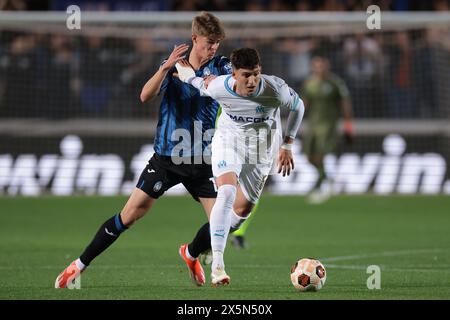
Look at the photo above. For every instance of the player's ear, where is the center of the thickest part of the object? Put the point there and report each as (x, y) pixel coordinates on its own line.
(194, 38)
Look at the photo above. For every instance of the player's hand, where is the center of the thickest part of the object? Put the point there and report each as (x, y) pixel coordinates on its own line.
(285, 162)
(348, 132)
(177, 54)
(208, 79)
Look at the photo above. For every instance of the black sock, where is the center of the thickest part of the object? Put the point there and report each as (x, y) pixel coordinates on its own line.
(201, 242)
(106, 235)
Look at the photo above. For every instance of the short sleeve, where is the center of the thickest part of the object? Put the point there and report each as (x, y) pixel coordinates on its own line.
(289, 98)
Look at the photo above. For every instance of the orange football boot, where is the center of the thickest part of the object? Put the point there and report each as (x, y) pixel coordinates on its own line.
(69, 275)
(194, 266)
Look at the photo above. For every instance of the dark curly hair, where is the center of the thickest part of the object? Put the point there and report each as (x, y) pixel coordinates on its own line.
(245, 58)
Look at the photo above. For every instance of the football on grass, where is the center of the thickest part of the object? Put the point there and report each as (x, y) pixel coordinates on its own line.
(308, 274)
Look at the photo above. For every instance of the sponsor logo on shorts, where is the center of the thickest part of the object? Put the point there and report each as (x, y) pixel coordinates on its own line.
(157, 186)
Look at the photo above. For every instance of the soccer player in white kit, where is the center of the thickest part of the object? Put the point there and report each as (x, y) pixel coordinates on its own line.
(246, 142)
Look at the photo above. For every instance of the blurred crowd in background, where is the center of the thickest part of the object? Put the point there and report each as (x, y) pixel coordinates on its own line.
(401, 74)
(226, 5)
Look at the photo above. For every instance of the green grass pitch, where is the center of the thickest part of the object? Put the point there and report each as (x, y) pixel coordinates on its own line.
(407, 236)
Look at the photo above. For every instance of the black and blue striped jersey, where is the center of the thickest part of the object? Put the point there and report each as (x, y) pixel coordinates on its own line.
(184, 114)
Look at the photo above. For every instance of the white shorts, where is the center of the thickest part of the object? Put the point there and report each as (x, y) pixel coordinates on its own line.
(226, 158)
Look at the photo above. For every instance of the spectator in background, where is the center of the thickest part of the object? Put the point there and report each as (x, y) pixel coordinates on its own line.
(278, 5)
(362, 60)
(13, 5)
(297, 54)
(144, 56)
(3, 59)
(63, 63)
(228, 5)
(441, 5)
(424, 76)
(198, 5)
(254, 6)
(325, 96)
(302, 5)
(122, 60)
(438, 42)
(102, 62)
(333, 5)
(19, 66)
(94, 82)
(400, 69)
(184, 5)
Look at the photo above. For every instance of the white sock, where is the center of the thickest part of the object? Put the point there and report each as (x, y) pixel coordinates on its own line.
(220, 221)
(188, 255)
(80, 265)
(217, 260)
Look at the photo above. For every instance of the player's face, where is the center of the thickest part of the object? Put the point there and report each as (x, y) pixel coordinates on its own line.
(247, 80)
(320, 67)
(206, 47)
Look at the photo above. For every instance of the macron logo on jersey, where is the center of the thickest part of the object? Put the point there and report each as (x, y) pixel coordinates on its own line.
(248, 119)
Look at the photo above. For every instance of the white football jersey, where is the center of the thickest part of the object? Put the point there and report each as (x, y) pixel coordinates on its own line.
(254, 110)
(251, 118)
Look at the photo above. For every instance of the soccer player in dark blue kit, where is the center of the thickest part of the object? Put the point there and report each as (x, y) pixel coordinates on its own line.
(181, 108)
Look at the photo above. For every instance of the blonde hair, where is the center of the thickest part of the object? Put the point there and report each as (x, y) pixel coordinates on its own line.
(207, 24)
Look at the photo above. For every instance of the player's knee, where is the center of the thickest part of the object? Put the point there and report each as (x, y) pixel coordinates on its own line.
(244, 209)
(227, 192)
(237, 220)
(130, 215)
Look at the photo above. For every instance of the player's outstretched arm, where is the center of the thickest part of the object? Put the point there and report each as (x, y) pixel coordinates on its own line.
(153, 86)
(285, 158)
